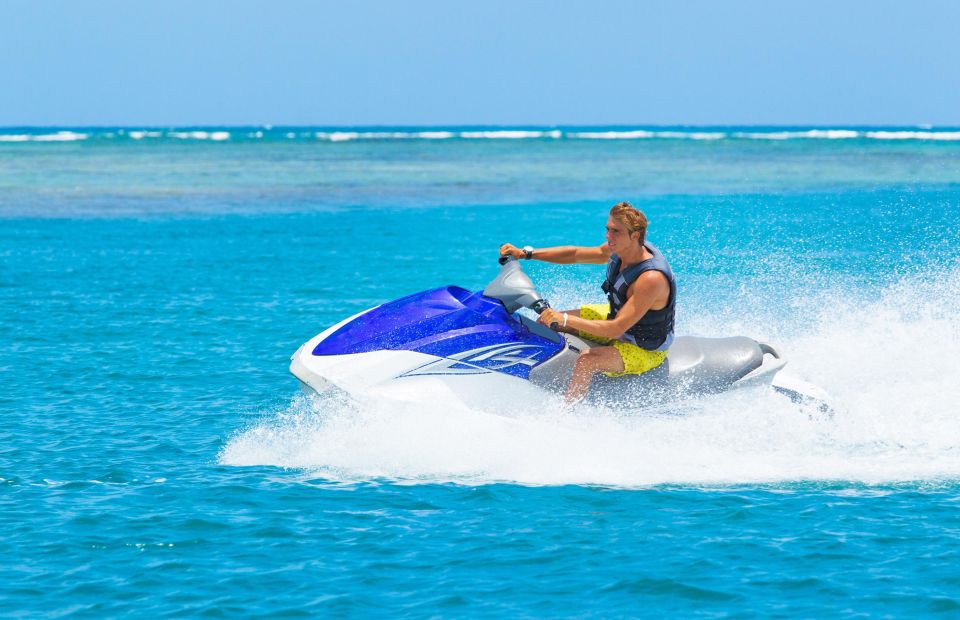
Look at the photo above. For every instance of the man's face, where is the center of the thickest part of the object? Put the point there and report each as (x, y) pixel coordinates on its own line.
(618, 238)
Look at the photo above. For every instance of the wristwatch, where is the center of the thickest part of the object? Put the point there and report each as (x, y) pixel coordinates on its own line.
(528, 252)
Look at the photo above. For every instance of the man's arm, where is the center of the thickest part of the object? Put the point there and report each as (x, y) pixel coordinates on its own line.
(563, 254)
(641, 296)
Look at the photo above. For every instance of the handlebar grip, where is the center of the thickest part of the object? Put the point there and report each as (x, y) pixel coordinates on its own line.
(506, 258)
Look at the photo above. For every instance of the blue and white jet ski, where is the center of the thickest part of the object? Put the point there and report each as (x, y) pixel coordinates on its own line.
(451, 343)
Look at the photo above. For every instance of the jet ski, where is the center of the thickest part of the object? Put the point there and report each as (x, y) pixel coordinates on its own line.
(477, 347)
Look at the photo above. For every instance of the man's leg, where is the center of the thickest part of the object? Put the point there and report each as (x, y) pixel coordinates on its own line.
(590, 362)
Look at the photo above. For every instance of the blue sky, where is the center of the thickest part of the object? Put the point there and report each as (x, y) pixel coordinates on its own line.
(492, 62)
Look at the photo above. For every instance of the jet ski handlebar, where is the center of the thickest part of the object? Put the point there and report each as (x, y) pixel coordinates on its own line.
(515, 290)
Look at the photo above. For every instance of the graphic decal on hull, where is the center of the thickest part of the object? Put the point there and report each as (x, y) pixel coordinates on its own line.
(498, 357)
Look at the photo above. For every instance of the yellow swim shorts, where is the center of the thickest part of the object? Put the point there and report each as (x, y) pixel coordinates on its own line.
(636, 361)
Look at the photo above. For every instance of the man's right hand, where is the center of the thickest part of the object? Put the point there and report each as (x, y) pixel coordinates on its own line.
(508, 249)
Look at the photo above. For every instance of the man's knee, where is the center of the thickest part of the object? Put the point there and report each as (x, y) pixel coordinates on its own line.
(586, 360)
(593, 360)
(599, 359)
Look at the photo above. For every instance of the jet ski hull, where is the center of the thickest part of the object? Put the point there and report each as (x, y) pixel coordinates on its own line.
(694, 367)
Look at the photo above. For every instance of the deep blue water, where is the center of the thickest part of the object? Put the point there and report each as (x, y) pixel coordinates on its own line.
(156, 458)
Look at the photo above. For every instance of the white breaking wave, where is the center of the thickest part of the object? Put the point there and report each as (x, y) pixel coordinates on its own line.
(510, 134)
(693, 135)
(200, 135)
(501, 134)
(434, 135)
(637, 134)
(60, 136)
(888, 364)
(140, 135)
(813, 134)
(848, 134)
(913, 135)
(612, 135)
(339, 136)
(342, 136)
(646, 135)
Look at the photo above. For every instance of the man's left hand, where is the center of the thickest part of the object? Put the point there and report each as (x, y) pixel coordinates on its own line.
(508, 249)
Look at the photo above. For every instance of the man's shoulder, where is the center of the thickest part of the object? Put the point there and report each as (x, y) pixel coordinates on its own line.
(651, 280)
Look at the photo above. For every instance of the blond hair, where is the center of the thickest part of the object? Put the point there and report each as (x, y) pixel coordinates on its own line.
(632, 218)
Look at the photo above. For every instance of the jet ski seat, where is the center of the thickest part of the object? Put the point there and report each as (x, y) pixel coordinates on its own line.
(722, 360)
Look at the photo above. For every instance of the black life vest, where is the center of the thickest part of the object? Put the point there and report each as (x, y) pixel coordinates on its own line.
(655, 328)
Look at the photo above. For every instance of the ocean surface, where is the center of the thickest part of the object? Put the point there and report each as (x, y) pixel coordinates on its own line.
(157, 459)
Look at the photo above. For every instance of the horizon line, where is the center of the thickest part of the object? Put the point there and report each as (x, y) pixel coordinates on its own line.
(484, 125)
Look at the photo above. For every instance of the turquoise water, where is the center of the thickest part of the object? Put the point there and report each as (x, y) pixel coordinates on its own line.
(156, 457)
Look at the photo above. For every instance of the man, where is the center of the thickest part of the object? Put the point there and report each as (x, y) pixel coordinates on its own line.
(637, 325)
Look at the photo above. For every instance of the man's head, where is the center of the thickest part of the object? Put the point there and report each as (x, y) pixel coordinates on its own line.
(626, 223)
